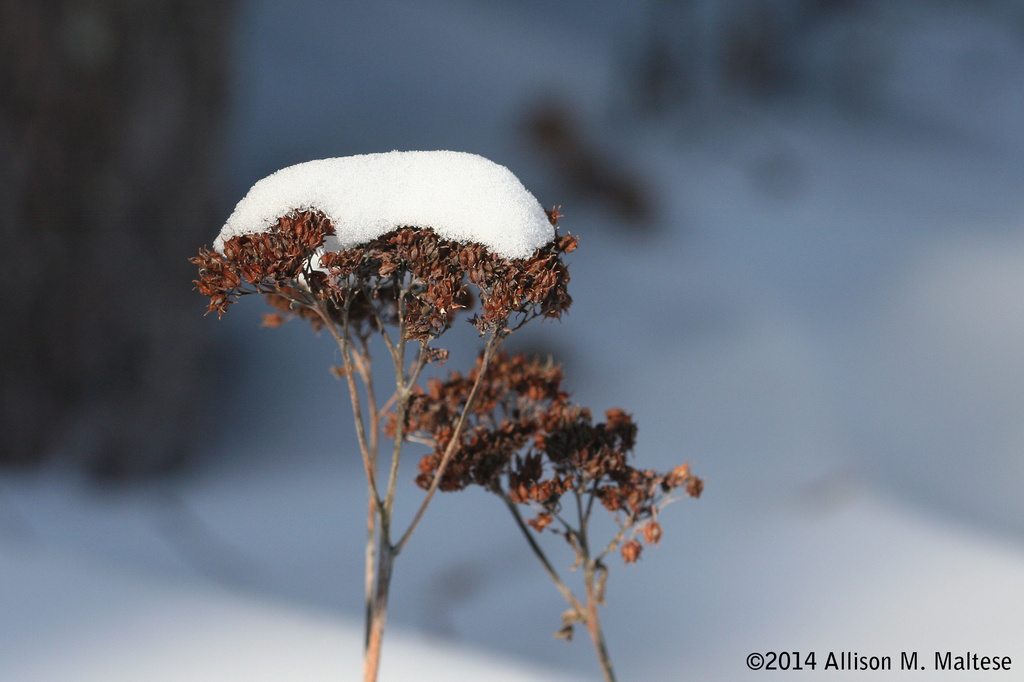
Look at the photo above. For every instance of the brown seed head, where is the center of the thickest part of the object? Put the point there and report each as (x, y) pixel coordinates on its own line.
(630, 551)
(414, 269)
(652, 532)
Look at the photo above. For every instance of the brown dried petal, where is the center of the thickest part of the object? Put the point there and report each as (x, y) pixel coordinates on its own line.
(678, 477)
(541, 521)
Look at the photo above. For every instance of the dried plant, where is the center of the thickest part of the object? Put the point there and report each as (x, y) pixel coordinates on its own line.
(533, 448)
(507, 425)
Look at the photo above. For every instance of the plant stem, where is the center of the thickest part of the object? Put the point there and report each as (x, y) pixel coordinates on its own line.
(361, 361)
(455, 442)
(593, 619)
(379, 586)
(589, 612)
(379, 613)
(593, 622)
(369, 463)
(371, 570)
(539, 553)
(401, 402)
(380, 552)
(375, 569)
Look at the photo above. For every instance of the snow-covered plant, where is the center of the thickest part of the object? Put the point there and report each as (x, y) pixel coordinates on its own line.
(394, 246)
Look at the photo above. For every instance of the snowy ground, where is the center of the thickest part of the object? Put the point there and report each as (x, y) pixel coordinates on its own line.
(826, 320)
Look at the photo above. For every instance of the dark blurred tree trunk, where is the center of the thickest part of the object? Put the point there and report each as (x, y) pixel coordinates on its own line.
(110, 164)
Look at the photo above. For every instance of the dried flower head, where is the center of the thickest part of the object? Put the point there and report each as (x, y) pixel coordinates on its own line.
(409, 272)
(527, 441)
(652, 532)
(630, 551)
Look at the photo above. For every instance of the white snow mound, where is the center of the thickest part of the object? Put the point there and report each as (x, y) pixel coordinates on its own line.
(461, 196)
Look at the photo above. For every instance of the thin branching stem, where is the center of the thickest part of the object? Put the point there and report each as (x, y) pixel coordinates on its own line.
(582, 528)
(610, 547)
(590, 501)
(376, 521)
(541, 556)
(371, 570)
(594, 574)
(592, 618)
(386, 551)
(418, 365)
(371, 517)
(453, 445)
(366, 375)
(345, 344)
(402, 393)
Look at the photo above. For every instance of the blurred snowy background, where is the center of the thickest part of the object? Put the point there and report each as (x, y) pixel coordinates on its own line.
(801, 268)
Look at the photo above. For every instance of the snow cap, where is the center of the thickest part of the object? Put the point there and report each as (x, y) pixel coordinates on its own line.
(463, 197)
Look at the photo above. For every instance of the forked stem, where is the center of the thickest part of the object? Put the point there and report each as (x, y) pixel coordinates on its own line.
(588, 612)
(455, 442)
(380, 552)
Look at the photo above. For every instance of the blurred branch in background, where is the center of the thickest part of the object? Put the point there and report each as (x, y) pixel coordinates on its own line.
(868, 58)
(110, 165)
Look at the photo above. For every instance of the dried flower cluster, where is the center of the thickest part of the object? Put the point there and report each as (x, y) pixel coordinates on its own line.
(525, 440)
(263, 262)
(409, 272)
